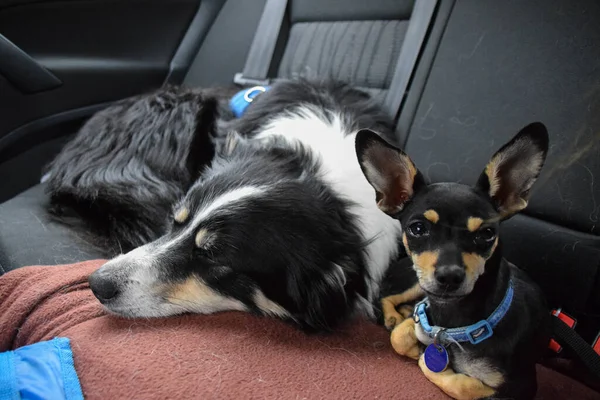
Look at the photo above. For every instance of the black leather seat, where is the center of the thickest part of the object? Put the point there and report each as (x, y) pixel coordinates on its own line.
(472, 90)
(503, 72)
(29, 237)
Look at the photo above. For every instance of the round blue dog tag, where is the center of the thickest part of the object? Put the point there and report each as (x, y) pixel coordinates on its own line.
(436, 358)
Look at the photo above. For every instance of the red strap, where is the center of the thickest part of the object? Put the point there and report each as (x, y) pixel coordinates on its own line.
(564, 317)
(571, 322)
(596, 345)
(554, 346)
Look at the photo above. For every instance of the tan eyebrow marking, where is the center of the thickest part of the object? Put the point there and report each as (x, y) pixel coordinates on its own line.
(474, 223)
(201, 238)
(182, 215)
(432, 216)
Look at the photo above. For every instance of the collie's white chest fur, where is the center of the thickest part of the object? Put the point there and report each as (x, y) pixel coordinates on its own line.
(332, 142)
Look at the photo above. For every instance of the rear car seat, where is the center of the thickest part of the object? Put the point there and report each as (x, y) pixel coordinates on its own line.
(350, 40)
(473, 88)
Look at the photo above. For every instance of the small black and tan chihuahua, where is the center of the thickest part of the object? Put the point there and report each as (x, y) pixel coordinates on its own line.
(481, 323)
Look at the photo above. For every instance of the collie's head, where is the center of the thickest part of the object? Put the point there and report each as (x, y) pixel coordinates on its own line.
(258, 233)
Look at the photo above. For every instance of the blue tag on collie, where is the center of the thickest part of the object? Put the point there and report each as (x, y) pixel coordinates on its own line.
(243, 98)
(436, 358)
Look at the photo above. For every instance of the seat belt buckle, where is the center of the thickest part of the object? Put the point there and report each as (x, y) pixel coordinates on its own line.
(568, 320)
(240, 79)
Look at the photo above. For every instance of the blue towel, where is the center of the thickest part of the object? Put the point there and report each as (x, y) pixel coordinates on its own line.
(40, 371)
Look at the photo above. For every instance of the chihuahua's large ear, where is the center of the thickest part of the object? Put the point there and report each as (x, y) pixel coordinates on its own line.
(388, 169)
(512, 171)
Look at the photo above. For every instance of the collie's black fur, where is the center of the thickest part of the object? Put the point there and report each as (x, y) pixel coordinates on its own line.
(269, 213)
(119, 177)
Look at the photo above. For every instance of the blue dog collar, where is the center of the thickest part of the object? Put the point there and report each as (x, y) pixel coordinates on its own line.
(242, 99)
(476, 333)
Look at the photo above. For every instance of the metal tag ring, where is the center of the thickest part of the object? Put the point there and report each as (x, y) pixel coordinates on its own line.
(436, 337)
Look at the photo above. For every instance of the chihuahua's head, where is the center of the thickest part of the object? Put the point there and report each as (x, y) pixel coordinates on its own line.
(451, 229)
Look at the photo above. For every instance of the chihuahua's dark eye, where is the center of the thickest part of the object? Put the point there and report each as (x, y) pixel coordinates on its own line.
(418, 229)
(485, 236)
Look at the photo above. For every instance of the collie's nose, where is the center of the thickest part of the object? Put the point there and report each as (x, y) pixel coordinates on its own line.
(450, 276)
(103, 287)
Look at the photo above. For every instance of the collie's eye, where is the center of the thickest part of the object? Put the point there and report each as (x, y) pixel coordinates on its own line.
(485, 236)
(204, 253)
(418, 229)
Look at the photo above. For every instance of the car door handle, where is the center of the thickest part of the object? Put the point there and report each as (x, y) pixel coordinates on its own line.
(22, 71)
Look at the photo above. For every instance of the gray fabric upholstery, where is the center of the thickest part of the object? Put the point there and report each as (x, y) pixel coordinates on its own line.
(349, 40)
(349, 10)
(361, 52)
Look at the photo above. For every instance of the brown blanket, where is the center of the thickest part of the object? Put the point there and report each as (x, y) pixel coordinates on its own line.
(223, 356)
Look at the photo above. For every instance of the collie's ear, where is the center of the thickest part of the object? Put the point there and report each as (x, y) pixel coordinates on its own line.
(512, 171)
(320, 298)
(388, 169)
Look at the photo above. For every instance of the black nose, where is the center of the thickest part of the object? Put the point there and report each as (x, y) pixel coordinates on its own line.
(103, 287)
(451, 276)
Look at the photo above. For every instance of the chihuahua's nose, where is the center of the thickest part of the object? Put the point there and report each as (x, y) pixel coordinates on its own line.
(103, 287)
(450, 276)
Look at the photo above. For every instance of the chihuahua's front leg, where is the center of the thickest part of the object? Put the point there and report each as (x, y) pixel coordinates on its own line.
(393, 317)
(457, 386)
(404, 340)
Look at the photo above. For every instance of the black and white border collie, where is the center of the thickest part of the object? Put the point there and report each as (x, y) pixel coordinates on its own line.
(280, 222)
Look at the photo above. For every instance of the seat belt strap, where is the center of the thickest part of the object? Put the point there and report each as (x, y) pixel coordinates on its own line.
(570, 339)
(262, 49)
(418, 26)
